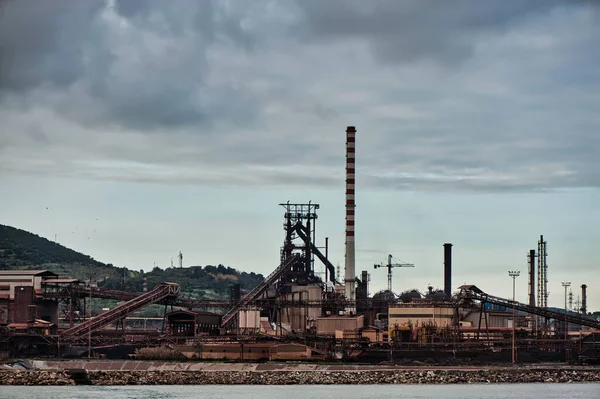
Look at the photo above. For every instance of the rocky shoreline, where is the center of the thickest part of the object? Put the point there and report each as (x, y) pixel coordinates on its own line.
(48, 377)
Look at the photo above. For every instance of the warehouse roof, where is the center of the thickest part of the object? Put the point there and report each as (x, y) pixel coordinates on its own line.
(27, 273)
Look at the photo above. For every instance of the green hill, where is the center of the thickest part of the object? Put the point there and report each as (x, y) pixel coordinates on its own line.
(20, 249)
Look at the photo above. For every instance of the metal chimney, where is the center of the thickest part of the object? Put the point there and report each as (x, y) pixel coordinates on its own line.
(532, 277)
(584, 299)
(448, 270)
(350, 207)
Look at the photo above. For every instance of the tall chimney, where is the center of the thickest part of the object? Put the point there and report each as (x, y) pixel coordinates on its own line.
(448, 270)
(532, 277)
(350, 207)
(584, 299)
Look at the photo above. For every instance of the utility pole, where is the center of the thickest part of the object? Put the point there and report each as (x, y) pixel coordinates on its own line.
(514, 274)
(90, 320)
(90, 276)
(389, 266)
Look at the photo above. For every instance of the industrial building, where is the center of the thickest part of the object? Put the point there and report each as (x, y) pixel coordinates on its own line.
(299, 314)
(188, 323)
(22, 299)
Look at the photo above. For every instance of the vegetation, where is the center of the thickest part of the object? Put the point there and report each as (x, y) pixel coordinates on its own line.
(20, 249)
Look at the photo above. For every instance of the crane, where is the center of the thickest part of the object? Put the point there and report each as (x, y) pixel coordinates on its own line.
(389, 266)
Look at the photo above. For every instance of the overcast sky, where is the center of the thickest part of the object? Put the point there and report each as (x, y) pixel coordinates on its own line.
(132, 130)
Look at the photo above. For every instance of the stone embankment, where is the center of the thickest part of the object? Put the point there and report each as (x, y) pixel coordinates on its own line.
(35, 377)
(44, 377)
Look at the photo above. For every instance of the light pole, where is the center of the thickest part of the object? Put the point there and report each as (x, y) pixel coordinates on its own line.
(514, 274)
(566, 284)
(90, 323)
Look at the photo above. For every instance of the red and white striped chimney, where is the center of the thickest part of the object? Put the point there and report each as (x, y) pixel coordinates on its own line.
(350, 208)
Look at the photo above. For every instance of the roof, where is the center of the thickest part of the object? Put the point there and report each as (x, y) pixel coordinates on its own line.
(192, 313)
(61, 281)
(338, 317)
(37, 324)
(27, 273)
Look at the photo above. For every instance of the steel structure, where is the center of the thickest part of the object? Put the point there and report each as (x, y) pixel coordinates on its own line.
(542, 295)
(302, 270)
(389, 266)
(260, 289)
(160, 293)
(471, 292)
(468, 293)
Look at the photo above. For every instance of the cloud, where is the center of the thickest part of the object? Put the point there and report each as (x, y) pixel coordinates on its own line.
(139, 65)
(446, 96)
(413, 30)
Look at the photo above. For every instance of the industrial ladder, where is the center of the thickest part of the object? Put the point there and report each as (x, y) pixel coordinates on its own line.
(157, 294)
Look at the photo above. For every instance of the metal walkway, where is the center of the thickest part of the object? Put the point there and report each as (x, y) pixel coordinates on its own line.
(259, 289)
(159, 293)
(472, 292)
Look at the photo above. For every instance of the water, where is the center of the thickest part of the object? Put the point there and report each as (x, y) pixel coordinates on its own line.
(474, 391)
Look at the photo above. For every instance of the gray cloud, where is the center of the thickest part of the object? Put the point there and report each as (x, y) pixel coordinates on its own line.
(41, 41)
(412, 30)
(227, 93)
(139, 65)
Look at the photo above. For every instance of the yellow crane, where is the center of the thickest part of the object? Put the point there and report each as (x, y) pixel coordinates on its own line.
(389, 266)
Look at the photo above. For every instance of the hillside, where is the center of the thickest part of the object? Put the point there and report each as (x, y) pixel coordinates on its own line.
(20, 249)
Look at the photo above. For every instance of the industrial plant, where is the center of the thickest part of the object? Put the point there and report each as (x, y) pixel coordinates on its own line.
(297, 314)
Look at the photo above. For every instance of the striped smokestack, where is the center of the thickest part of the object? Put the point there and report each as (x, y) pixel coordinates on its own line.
(350, 208)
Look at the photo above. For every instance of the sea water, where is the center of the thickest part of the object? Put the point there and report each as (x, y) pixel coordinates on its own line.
(462, 391)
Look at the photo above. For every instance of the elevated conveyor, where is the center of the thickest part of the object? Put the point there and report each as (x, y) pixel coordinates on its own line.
(472, 292)
(259, 289)
(159, 293)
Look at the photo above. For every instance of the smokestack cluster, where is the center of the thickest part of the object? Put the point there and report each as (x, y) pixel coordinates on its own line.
(448, 270)
(584, 299)
(350, 208)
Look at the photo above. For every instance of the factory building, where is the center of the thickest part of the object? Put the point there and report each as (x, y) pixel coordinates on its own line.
(440, 317)
(21, 298)
(188, 323)
(336, 325)
(299, 318)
